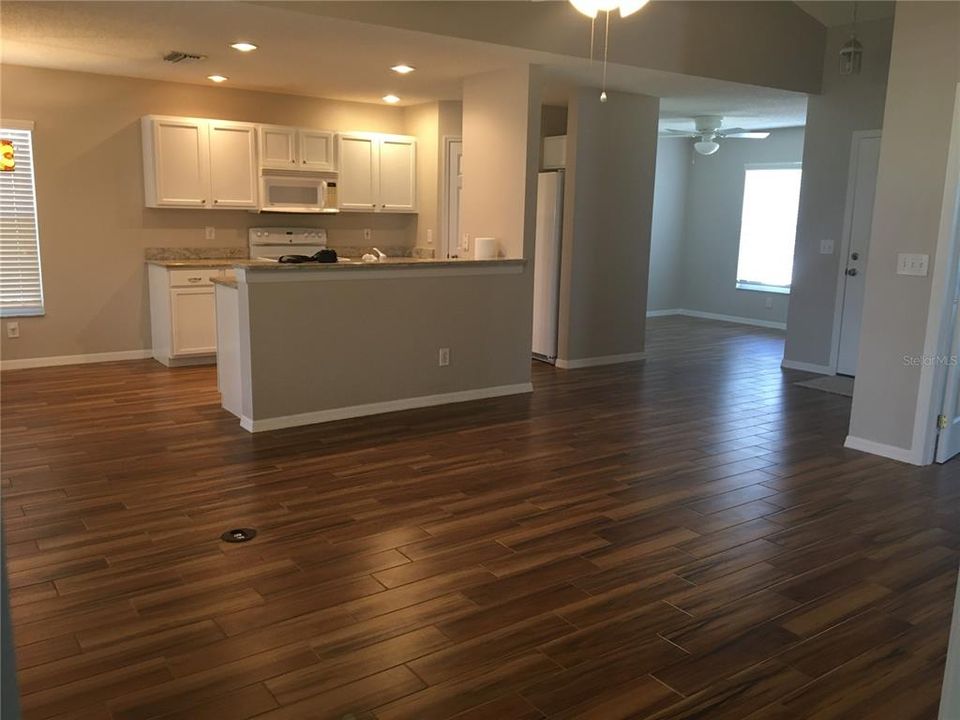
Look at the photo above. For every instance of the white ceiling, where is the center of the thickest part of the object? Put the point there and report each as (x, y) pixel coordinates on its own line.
(317, 56)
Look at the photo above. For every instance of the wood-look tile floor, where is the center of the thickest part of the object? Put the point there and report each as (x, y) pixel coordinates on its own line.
(680, 538)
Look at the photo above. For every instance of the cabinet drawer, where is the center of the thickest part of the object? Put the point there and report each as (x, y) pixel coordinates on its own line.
(194, 277)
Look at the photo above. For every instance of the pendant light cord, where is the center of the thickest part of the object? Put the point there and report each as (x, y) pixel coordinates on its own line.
(606, 45)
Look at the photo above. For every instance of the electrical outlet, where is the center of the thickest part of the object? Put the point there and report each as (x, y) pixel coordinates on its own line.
(367, 234)
(443, 357)
(429, 236)
(826, 246)
(465, 243)
(768, 303)
(13, 329)
(210, 233)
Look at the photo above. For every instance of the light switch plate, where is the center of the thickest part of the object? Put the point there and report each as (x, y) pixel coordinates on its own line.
(912, 264)
(210, 232)
(826, 246)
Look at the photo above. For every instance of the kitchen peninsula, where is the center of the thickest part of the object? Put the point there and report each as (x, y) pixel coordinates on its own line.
(310, 343)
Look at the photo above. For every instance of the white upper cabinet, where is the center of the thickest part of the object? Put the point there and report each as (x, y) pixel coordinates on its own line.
(378, 173)
(358, 188)
(278, 147)
(287, 148)
(398, 174)
(176, 162)
(233, 164)
(317, 150)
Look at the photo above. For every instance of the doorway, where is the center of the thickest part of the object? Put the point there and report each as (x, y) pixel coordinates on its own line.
(862, 186)
(452, 190)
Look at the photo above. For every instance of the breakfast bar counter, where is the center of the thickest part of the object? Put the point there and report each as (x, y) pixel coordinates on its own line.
(314, 342)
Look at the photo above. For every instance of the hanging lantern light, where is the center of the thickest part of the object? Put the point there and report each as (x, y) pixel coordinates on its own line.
(851, 54)
(592, 8)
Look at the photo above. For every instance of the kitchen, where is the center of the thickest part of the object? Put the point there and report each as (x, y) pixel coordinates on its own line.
(317, 310)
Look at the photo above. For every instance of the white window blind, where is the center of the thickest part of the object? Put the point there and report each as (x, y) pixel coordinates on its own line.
(21, 289)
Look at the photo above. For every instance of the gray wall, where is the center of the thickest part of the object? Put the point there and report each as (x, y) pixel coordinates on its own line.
(388, 331)
(608, 209)
(847, 104)
(918, 123)
(696, 226)
(669, 223)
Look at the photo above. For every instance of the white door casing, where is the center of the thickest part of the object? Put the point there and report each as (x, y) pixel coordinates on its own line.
(453, 189)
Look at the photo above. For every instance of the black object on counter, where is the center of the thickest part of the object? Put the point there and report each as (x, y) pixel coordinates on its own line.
(326, 256)
(323, 256)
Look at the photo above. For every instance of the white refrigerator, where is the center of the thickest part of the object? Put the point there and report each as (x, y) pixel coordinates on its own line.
(546, 265)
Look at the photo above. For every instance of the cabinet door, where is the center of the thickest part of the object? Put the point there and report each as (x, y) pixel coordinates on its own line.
(180, 159)
(278, 147)
(398, 174)
(317, 150)
(194, 321)
(233, 165)
(358, 185)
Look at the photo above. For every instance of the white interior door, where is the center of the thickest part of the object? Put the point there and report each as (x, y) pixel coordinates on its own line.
(454, 190)
(948, 441)
(860, 196)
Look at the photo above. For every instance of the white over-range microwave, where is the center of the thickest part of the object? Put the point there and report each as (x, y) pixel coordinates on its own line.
(298, 191)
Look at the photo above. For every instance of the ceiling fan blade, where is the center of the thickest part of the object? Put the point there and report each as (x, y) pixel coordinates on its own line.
(745, 134)
(681, 133)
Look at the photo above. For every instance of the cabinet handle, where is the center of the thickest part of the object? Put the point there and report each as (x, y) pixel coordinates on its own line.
(203, 202)
(195, 279)
(215, 202)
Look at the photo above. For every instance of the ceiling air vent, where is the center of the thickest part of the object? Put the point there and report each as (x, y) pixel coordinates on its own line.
(176, 56)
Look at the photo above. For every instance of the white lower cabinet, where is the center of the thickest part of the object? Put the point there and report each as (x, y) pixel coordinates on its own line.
(183, 318)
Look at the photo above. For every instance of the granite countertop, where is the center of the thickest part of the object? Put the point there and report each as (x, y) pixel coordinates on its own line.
(226, 282)
(393, 262)
(196, 262)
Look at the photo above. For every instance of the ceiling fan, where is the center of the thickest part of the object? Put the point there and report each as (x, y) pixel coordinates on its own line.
(710, 130)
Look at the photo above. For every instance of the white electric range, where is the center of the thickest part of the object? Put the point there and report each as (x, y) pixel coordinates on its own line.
(270, 243)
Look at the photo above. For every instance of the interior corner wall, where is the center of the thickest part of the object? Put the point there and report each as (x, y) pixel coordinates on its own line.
(712, 242)
(423, 121)
(674, 157)
(607, 218)
(918, 126)
(846, 104)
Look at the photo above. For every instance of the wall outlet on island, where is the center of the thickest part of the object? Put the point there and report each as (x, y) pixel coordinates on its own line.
(443, 357)
(209, 232)
(13, 329)
(367, 234)
(768, 303)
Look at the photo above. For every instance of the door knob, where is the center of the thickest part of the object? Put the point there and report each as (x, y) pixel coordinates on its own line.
(852, 272)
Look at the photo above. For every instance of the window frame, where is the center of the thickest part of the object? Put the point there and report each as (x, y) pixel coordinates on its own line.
(28, 310)
(756, 286)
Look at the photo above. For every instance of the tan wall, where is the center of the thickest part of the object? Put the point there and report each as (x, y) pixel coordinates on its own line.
(501, 129)
(388, 331)
(847, 104)
(608, 211)
(93, 225)
(424, 122)
(918, 123)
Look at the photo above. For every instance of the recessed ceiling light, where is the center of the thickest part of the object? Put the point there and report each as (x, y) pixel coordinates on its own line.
(216, 78)
(244, 46)
(391, 99)
(403, 69)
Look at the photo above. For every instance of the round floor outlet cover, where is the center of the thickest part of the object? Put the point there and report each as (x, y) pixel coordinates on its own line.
(239, 535)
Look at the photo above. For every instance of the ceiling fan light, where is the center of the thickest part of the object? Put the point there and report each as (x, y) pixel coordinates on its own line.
(590, 8)
(706, 147)
(629, 7)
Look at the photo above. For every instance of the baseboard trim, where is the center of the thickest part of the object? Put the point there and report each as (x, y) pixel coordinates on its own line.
(354, 411)
(664, 313)
(715, 316)
(893, 452)
(57, 360)
(578, 363)
(807, 367)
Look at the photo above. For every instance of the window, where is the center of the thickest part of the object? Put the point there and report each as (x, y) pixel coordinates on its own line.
(21, 291)
(768, 227)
